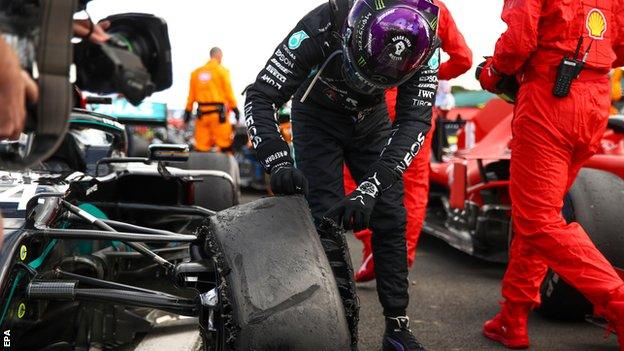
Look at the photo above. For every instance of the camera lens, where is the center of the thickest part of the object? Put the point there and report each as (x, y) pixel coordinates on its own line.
(134, 42)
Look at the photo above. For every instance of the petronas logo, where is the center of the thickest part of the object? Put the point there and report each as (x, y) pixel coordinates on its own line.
(362, 61)
(379, 5)
(296, 39)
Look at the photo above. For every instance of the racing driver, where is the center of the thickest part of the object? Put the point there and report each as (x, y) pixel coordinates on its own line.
(337, 62)
(416, 178)
(563, 50)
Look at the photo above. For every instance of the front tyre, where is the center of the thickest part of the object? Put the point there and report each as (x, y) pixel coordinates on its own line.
(276, 287)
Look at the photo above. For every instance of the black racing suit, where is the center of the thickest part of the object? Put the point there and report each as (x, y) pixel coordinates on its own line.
(337, 125)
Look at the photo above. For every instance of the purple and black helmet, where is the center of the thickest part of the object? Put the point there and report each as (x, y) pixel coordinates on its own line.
(386, 41)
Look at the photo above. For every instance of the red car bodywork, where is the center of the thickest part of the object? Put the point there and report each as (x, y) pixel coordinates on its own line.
(492, 134)
(469, 204)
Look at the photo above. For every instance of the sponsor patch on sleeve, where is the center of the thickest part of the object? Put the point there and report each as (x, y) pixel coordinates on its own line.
(296, 39)
(434, 61)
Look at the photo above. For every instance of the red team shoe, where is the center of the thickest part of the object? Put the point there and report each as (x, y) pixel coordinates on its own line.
(508, 328)
(366, 273)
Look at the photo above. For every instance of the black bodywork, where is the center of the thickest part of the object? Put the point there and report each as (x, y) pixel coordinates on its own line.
(55, 245)
(89, 258)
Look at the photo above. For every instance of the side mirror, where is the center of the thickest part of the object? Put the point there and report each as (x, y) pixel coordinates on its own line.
(168, 153)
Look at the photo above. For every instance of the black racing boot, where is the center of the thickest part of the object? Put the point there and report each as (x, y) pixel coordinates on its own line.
(399, 337)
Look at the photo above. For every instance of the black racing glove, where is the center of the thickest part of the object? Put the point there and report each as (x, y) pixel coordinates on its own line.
(274, 155)
(288, 180)
(355, 210)
(236, 113)
(187, 116)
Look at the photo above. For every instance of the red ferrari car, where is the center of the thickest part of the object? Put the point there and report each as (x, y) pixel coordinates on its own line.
(469, 204)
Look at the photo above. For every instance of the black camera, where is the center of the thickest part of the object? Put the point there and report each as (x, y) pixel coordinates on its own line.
(135, 62)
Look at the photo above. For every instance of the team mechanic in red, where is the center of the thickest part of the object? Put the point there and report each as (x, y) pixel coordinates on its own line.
(554, 134)
(416, 178)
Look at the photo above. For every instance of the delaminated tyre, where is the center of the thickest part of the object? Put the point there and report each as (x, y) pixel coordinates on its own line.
(214, 193)
(595, 202)
(276, 289)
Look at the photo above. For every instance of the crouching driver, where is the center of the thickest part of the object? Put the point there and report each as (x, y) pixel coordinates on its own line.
(337, 62)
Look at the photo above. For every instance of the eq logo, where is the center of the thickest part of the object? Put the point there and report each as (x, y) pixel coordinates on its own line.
(6, 340)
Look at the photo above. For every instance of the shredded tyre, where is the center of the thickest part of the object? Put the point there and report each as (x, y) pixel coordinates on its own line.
(277, 290)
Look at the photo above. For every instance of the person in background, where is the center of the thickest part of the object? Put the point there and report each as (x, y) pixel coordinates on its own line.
(210, 86)
(16, 89)
(96, 33)
(563, 50)
(445, 101)
(416, 178)
(616, 90)
(440, 142)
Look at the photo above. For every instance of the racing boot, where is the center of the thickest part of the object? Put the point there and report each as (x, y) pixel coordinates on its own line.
(366, 272)
(399, 337)
(509, 326)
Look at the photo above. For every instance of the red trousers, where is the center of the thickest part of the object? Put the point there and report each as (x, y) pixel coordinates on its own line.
(416, 184)
(552, 139)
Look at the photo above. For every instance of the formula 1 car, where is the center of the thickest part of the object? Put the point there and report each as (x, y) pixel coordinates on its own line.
(470, 208)
(213, 193)
(88, 255)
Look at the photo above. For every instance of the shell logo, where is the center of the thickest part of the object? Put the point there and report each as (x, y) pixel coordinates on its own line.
(596, 24)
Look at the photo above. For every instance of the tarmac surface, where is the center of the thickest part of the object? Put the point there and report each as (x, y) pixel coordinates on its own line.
(451, 295)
